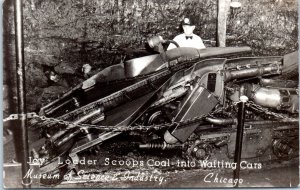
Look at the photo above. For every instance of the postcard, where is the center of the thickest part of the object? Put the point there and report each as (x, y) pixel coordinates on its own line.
(150, 94)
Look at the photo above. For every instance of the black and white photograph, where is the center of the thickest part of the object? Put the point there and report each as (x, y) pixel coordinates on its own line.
(150, 94)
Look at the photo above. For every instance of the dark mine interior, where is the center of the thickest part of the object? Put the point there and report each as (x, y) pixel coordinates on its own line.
(103, 87)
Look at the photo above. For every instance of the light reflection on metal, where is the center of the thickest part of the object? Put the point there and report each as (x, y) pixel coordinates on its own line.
(135, 67)
(235, 4)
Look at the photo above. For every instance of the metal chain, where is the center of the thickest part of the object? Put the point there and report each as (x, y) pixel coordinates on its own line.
(261, 109)
(9, 118)
(250, 104)
(19, 116)
(104, 128)
(131, 128)
(266, 111)
(54, 120)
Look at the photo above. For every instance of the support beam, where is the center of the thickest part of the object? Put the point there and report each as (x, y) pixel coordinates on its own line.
(239, 138)
(22, 148)
(223, 10)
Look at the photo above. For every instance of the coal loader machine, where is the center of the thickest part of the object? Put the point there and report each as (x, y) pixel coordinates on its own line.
(178, 106)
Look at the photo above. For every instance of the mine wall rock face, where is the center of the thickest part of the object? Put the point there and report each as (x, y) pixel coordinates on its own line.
(63, 35)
